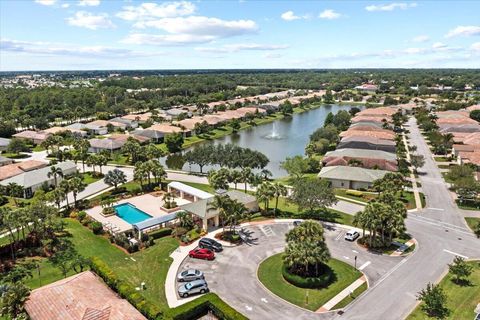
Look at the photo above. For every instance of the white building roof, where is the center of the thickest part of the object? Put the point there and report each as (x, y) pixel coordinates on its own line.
(190, 190)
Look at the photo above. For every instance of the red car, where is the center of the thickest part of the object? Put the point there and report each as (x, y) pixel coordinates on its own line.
(202, 254)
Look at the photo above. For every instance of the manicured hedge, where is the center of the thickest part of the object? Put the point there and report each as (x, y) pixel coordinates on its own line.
(125, 290)
(200, 306)
(165, 232)
(322, 281)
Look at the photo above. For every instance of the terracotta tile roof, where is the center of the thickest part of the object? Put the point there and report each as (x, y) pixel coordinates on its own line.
(373, 134)
(368, 128)
(378, 112)
(367, 163)
(469, 128)
(80, 297)
(465, 148)
(54, 130)
(460, 120)
(34, 135)
(472, 138)
(142, 117)
(452, 114)
(14, 169)
(470, 157)
(370, 119)
(458, 137)
(167, 128)
(124, 137)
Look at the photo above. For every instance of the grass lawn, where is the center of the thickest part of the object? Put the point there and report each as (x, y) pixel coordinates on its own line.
(357, 292)
(270, 274)
(472, 223)
(444, 175)
(151, 264)
(461, 300)
(89, 178)
(442, 159)
(443, 166)
(15, 156)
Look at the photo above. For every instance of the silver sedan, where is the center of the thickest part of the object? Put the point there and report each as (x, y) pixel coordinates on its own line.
(190, 275)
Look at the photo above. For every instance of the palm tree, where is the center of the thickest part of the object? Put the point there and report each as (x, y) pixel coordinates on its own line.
(76, 186)
(15, 191)
(56, 196)
(55, 172)
(101, 160)
(246, 175)
(279, 190)
(140, 173)
(65, 188)
(221, 203)
(235, 177)
(266, 174)
(264, 193)
(91, 162)
(157, 171)
(81, 146)
(185, 220)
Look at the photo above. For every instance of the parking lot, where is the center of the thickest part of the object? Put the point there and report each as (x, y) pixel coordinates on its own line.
(232, 275)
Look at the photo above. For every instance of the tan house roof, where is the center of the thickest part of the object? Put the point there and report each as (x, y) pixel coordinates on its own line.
(166, 128)
(79, 297)
(472, 138)
(378, 112)
(124, 137)
(368, 128)
(34, 135)
(141, 117)
(470, 157)
(358, 118)
(55, 130)
(387, 135)
(14, 169)
(455, 120)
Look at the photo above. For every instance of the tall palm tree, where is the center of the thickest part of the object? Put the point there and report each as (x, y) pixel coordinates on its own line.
(222, 204)
(158, 171)
(235, 177)
(65, 188)
(264, 193)
(56, 196)
(15, 191)
(279, 190)
(246, 174)
(140, 173)
(55, 172)
(76, 186)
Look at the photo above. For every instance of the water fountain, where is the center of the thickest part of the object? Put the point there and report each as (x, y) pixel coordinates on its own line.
(274, 134)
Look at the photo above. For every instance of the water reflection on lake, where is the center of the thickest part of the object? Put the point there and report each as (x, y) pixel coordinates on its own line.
(277, 140)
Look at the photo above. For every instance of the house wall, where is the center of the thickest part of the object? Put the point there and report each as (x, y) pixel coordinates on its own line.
(360, 185)
(348, 184)
(366, 146)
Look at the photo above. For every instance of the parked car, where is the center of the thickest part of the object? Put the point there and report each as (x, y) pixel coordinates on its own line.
(351, 235)
(190, 275)
(207, 243)
(193, 287)
(202, 254)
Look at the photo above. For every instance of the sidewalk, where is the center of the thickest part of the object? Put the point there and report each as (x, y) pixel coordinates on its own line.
(416, 194)
(342, 295)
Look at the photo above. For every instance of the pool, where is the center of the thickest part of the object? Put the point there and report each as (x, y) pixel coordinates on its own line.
(130, 213)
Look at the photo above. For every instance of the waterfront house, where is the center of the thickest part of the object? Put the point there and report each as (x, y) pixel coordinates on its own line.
(351, 177)
(98, 145)
(368, 143)
(362, 158)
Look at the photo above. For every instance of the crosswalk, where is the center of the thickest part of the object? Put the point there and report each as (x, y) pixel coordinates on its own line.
(267, 231)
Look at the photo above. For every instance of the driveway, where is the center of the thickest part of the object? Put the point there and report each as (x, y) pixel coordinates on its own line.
(232, 275)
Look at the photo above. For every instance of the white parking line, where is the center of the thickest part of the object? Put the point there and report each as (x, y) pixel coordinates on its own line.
(455, 254)
(354, 251)
(363, 266)
(438, 209)
(264, 300)
(339, 236)
(346, 257)
(248, 308)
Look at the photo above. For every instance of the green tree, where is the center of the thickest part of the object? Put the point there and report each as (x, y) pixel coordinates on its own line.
(55, 172)
(434, 301)
(235, 125)
(475, 115)
(392, 182)
(81, 147)
(76, 186)
(174, 142)
(12, 300)
(264, 193)
(279, 190)
(312, 194)
(306, 250)
(17, 145)
(417, 161)
(114, 178)
(460, 270)
(218, 179)
(295, 166)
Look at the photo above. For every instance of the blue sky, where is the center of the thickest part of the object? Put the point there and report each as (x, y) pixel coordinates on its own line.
(109, 34)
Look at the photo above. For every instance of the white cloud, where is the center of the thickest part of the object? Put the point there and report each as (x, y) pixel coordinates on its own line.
(193, 29)
(289, 16)
(89, 3)
(272, 55)
(421, 38)
(90, 21)
(391, 6)
(65, 5)
(55, 49)
(475, 47)
(329, 14)
(46, 2)
(241, 47)
(413, 50)
(464, 31)
(439, 45)
(149, 11)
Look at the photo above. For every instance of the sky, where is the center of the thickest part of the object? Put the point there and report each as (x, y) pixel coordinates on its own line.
(237, 34)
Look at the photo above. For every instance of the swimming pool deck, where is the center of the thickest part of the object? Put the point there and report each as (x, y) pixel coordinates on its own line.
(147, 203)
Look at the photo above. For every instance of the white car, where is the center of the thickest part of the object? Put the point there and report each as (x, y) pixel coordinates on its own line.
(351, 235)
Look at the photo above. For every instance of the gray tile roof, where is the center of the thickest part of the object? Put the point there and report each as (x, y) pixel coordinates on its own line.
(4, 142)
(351, 173)
(35, 177)
(107, 144)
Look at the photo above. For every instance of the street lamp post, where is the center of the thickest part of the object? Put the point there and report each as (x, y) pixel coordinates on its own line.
(355, 262)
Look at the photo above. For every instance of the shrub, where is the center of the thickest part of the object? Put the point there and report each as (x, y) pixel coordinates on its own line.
(81, 215)
(73, 214)
(354, 193)
(108, 211)
(97, 227)
(321, 281)
(179, 231)
(165, 232)
(200, 307)
(193, 235)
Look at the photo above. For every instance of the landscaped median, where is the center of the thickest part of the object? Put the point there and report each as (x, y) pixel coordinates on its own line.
(270, 275)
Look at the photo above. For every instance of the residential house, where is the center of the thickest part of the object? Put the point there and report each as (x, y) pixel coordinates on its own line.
(4, 142)
(98, 145)
(37, 137)
(453, 128)
(367, 87)
(57, 130)
(13, 169)
(81, 296)
(368, 143)
(384, 135)
(35, 179)
(122, 138)
(139, 117)
(351, 177)
(358, 118)
(457, 148)
(383, 112)
(362, 158)
(98, 127)
(129, 124)
(154, 135)
(169, 129)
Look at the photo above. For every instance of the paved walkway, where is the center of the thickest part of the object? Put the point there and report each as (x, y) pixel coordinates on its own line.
(342, 295)
(413, 179)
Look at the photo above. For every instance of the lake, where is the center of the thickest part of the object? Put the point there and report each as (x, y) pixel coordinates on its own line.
(279, 139)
